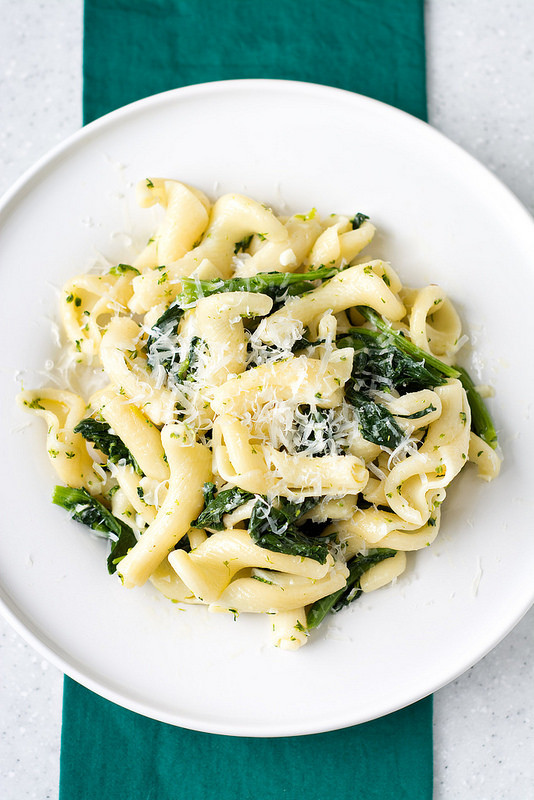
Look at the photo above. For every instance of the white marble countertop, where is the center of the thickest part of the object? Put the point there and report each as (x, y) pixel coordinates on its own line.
(481, 94)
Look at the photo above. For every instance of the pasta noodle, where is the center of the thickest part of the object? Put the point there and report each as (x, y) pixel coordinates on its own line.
(280, 418)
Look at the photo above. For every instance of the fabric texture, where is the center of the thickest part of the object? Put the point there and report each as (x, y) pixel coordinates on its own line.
(132, 49)
(112, 753)
(135, 48)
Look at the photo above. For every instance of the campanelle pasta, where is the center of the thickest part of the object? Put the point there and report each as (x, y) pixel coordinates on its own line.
(279, 418)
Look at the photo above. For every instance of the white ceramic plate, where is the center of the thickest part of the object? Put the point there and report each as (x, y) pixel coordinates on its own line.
(442, 218)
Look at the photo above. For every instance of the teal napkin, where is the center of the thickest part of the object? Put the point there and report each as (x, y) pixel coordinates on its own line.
(135, 48)
(132, 49)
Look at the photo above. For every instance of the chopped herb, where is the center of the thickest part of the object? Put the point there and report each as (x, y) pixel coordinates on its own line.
(122, 269)
(36, 403)
(262, 580)
(305, 217)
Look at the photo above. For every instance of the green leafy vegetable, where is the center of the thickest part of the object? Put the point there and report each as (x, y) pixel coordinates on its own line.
(99, 433)
(275, 528)
(380, 362)
(418, 414)
(274, 284)
(376, 423)
(358, 219)
(334, 602)
(86, 509)
(162, 345)
(399, 340)
(481, 421)
(315, 431)
(300, 344)
(272, 527)
(218, 504)
(187, 369)
(425, 370)
(243, 244)
(303, 343)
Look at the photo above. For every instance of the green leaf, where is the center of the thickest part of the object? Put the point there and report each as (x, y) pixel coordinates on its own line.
(162, 345)
(379, 362)
(358, 219)
(481, 421)
(87, 510)
(188, 368)
(315, 431)
(243, 244)
(399, 340)
(275, 528)
(99, 433)
(274, 284)
(160, 341)
(351, 591)
(217, 505)
(376, 423)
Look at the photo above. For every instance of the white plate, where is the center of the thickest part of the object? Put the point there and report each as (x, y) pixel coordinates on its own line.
(442, 218)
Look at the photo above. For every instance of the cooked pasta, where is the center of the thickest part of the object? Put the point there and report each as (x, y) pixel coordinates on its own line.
(279, 418)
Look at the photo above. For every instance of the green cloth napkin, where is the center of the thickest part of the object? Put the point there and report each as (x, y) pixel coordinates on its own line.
(135, 48)
(110, 753)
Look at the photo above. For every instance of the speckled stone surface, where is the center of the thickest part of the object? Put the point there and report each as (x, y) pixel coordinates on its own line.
(481, 95)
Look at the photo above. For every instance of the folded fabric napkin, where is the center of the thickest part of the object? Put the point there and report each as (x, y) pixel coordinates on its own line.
(132, 49)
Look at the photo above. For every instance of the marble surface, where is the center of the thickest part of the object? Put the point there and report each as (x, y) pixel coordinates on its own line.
(480, 81)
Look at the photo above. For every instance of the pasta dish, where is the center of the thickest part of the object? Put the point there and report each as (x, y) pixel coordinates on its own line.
(276, 420)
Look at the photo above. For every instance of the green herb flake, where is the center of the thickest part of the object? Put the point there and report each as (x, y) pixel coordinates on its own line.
(122, 269)
(36, 403)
